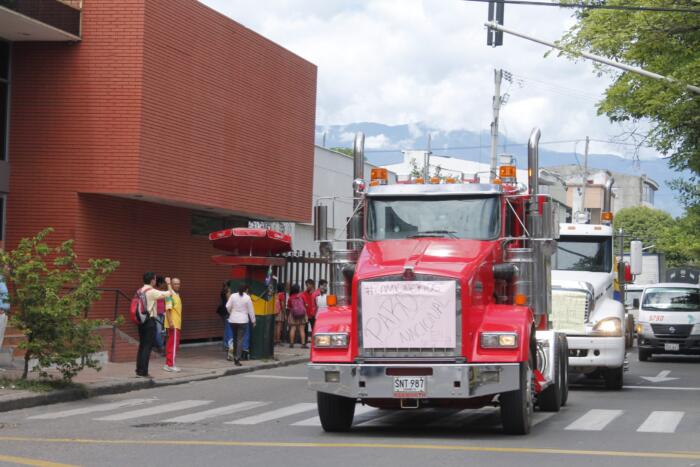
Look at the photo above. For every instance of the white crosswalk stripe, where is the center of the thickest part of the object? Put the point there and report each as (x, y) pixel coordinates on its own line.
(661, 422)
(91, 409)
(159, 409)
(217, 412)
(594, 420)
(316, 421)
(275, 414)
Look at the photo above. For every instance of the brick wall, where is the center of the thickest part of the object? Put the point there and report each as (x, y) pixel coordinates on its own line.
(164, 99)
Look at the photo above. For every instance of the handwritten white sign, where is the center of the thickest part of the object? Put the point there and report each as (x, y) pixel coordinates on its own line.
(409, 314)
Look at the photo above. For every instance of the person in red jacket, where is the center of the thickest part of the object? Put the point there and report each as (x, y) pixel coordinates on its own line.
(309, 295)
(297, 312)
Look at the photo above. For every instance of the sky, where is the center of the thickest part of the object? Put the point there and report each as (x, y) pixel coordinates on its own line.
(410, 61)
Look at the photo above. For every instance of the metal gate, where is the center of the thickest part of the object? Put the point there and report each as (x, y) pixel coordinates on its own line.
(302, 265)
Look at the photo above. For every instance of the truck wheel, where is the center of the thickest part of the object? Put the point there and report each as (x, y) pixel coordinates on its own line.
(564, 369)
(517, 406)
(336, 412)
(644, 354)
(549, 400)
(613, 378)
(629, 331)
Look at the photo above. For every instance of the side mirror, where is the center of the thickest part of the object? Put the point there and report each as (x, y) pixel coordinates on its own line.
(635, 303)
(636, 257)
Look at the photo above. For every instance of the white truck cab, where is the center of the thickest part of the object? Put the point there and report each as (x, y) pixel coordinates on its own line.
(669, 320)
(583, 306)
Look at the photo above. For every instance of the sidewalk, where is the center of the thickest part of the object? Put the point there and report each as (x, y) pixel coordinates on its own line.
(197, 363)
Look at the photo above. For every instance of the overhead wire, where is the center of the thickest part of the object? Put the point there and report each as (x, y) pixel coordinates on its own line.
(594, 6)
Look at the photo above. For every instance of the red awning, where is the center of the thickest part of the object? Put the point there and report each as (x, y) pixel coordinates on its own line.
(225, 260)
(251, 242)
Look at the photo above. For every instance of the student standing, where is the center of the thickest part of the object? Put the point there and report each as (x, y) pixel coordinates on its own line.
(309, 296)
(221, 310)
(321, 294)
(147, 329)
(240, 308)
(298, 312)
(4, 308)
(280, 312)
(173, 322)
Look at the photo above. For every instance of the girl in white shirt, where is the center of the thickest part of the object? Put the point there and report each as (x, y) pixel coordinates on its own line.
(240, 313)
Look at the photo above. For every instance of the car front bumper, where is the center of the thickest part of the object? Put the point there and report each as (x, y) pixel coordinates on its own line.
(586, 352)
(443, 381)
(688, 346)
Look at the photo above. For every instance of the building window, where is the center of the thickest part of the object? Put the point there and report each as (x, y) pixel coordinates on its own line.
(648, 194)
(4, 97)
(204, 224)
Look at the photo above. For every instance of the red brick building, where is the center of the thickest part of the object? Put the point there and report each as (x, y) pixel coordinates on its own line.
(138, 126)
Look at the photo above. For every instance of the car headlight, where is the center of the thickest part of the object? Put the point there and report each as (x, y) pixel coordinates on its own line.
(609, 327)
(644, 329)
(499, 340)
(339, 339)
(696, 330)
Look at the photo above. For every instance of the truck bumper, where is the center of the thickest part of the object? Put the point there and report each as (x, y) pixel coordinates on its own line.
(371, 381)
(586, 352)
(686, 346)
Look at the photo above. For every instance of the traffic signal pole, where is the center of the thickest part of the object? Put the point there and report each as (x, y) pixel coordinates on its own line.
(596, 58)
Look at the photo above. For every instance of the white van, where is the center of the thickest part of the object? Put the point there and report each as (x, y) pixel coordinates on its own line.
(669, 320)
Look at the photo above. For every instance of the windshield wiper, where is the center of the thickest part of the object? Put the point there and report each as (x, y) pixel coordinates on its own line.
(434, 233)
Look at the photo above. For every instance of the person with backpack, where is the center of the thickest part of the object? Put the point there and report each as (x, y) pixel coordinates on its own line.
(173, 323)
(221, 310)
(296, 305)
(144, 311)
(240, 308)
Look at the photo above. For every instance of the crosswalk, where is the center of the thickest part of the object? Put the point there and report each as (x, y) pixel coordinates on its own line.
(303, 414)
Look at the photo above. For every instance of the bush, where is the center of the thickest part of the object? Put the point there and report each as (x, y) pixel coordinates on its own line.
(50, 295)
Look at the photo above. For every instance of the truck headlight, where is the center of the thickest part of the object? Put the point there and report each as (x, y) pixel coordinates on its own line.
(499, 340)
(644, 329)
(609, 327)
(339, 339)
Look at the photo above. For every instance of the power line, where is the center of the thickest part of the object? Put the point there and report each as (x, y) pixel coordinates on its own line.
(456, 148)
(594, 6)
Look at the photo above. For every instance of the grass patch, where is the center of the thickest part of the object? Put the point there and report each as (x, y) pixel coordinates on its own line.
(37, 385)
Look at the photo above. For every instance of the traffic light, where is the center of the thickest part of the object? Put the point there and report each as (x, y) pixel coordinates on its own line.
(495, 38)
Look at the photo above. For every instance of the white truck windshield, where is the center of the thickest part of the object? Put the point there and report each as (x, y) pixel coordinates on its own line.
(472, 217)
(583, 253)
(671, 299)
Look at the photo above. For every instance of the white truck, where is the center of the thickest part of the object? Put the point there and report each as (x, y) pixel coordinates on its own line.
(583, 302)
(583, 306)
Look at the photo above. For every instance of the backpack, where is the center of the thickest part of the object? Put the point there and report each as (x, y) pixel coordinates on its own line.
(298, 307)
(138, 312)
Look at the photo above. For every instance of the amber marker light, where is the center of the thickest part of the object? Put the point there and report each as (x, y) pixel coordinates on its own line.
(520, 299)
(331, 300)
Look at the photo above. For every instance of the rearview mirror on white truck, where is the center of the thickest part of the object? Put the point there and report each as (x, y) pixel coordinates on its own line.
(636, 257)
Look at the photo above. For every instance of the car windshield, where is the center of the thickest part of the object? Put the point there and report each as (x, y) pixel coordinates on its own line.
(583, 254)
(671, 299)
(473, 217)
(630, 295)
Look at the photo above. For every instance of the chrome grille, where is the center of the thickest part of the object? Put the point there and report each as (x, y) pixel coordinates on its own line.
(403, 353)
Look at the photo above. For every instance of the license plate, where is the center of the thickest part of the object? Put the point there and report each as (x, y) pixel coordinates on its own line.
(409, 386)
(672, 347)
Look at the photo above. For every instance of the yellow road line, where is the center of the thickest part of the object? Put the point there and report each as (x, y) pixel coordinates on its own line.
(436, 447)
(26, 461)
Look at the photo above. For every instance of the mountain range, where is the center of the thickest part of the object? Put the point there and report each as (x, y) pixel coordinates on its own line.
(384, 143)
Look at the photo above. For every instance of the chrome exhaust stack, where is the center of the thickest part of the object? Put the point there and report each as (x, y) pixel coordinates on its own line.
(607, 195)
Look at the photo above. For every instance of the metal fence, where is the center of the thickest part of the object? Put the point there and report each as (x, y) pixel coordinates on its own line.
(302, 265)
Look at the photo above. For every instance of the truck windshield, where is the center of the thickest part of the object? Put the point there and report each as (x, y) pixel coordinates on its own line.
(583, 254)
(472, 217)
(671, 299)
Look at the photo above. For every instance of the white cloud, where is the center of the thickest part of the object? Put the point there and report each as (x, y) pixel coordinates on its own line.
(407, 61)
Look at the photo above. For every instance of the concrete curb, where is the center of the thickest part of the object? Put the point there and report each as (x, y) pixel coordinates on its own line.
(119, 387)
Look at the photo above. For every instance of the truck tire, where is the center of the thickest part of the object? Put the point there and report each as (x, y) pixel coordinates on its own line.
(629, 331)
(336, 412)
(517, 406)
(644, 354)
(549, 400)
(564, 368)
(613, 378)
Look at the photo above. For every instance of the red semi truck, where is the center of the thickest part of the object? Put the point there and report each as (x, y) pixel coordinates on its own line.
(441, 297)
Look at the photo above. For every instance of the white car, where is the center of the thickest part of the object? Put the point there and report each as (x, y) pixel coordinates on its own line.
(669, 320)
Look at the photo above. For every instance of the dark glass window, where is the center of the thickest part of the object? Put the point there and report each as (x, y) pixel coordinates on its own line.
(203, 224)
(4, 60)
(583, 254)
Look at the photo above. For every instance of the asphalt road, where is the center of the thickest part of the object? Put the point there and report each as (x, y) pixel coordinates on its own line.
(267, 418)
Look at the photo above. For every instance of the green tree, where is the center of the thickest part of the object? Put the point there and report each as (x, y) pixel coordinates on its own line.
(667, 43)
(677, 239)
(50, 294)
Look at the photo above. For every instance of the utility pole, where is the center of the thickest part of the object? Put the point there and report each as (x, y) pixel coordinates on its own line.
(584, 179)
(426, 161)
(498, 76)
